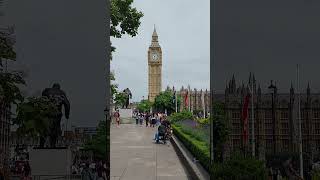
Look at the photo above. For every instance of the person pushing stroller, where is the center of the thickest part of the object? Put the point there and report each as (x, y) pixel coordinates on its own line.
(161, 133)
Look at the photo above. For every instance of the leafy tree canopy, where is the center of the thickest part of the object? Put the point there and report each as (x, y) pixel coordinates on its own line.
(98, 145)
(33, 116)
(144, 106)
(6, 47)
(166, 101)
(125, 19)
(9, 87)
(120, 98)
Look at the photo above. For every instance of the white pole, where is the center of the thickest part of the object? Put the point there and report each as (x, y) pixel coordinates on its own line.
(299, 116)
(176, 101)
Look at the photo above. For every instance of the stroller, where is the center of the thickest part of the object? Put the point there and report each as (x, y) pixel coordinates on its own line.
(164, 136)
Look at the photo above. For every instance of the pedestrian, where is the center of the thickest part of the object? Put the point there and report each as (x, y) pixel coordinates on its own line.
(141, 119)
(146, 117)
(86, 174)
(117, 117)
(137, 118)
(153, 120)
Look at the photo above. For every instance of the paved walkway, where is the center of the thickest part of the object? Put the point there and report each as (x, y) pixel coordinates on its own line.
(135, 156)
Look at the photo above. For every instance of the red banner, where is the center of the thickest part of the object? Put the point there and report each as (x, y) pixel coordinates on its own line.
(245, 118)
(186, 99)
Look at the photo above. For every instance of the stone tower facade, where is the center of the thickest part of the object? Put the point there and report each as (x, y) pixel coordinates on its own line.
(154, 67)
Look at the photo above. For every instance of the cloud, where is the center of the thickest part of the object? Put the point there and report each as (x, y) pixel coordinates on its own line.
(184, 35)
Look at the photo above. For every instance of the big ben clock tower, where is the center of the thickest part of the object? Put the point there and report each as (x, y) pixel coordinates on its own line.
(154, 67)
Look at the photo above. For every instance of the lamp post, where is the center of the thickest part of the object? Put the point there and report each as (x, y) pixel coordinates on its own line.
(108, 117)
(252, 121)
(272, 89)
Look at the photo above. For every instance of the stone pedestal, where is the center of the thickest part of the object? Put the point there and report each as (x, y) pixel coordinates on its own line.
(51, 162)
(125, 113)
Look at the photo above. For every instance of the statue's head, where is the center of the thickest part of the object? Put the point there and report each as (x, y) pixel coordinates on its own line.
(56, 86)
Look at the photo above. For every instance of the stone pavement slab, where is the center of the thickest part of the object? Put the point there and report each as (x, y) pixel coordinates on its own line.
(135, 156)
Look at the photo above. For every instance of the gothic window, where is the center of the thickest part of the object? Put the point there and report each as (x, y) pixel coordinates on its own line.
(316, 115)
(284, 114)
(285, 144)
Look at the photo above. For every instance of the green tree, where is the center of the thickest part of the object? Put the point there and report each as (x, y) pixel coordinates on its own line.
(114, 87)
(165, 101)
(220, 130)
(98, 143)
(144, 106)
(120, 99)
(6, 47)
(34, 116)
(125, 19)
(9, 80)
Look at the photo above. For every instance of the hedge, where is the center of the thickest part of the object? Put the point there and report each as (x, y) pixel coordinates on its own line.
(198, 148)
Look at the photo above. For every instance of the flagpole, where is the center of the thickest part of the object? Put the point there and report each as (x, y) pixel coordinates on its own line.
(252, 115)
(299, 116)
(176, 101)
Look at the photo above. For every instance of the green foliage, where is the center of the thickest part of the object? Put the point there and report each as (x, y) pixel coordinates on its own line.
(239, 168)
(220, 130)
(197, 147)
(120, 99)
(98, 144)
(33, 116)
(164, 101)
(203, 121)
(9, 89)
(315, 173)
(125, 19)
(199, 133)
(6, 48)
(184, 115)
(144, 106)
(113, 86)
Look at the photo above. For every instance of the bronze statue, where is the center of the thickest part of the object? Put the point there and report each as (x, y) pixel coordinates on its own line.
(59, 98)
(128, 95)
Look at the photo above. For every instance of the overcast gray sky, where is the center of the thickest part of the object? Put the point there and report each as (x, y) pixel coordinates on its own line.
(269, 38)
(184, 35)
(63, 41)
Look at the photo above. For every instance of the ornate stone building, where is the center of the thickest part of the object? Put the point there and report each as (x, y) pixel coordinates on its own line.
(197, 100)
(275, 118)
(154, 67)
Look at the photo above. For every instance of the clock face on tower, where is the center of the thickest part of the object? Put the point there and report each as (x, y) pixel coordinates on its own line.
(154, 56)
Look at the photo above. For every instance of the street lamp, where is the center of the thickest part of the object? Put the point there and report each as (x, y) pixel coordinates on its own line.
(272, 89)
(107, 116)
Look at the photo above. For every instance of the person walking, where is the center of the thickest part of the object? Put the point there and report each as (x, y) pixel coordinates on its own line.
(153, 120)
(141, 119)
(136, 116)
(117, 117)
(146, 117)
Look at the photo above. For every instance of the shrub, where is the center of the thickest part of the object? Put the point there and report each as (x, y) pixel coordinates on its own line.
(203, 121)
(198, 148)
(239, 168)
(184, 115)
(198, 132)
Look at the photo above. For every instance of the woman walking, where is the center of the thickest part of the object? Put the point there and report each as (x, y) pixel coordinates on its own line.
(117, 117)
